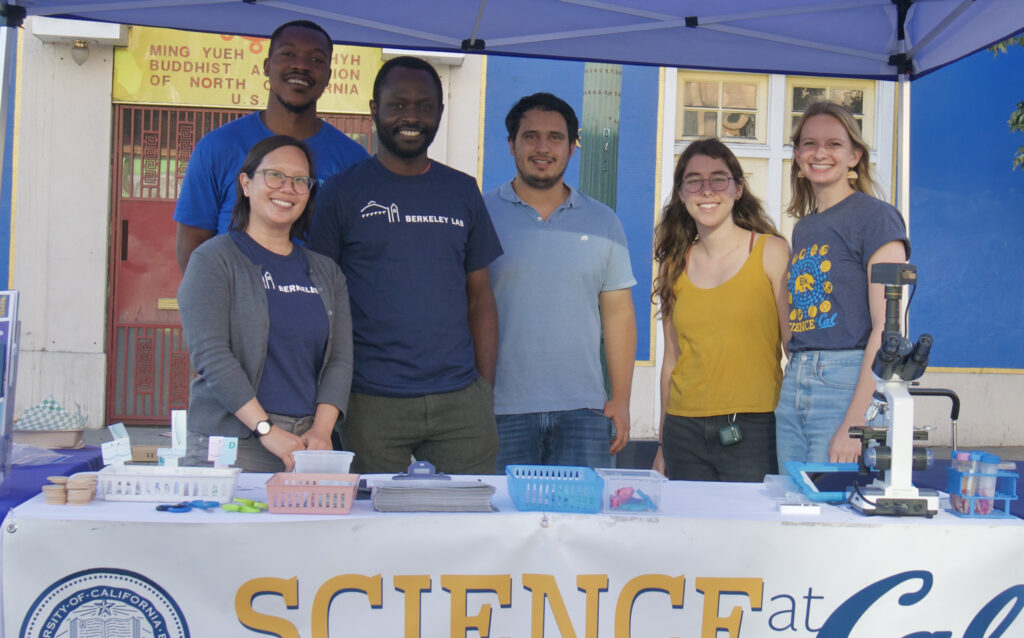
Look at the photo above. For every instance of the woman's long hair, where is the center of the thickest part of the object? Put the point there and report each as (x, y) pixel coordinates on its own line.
(677, 231)
(240, 213)
(803, 202)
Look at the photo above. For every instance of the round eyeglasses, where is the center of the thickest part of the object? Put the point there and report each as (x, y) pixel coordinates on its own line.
(276, 179)
(695, 184)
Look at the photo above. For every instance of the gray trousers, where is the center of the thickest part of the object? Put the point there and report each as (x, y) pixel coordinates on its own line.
(252, 456)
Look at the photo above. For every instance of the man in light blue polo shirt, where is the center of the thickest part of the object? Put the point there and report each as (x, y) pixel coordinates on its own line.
(564, 278)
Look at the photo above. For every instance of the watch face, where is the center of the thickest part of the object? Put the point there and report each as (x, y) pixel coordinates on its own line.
(262, 428)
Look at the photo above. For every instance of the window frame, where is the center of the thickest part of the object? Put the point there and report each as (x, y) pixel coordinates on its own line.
(761, 111)
(867, 87)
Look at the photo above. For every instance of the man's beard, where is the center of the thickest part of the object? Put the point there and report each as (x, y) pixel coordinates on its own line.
(540, 183)
(389, 141)
(298, 109)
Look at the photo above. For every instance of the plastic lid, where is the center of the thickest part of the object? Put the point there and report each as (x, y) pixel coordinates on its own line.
(990, 458)
(976, 456)
(962, 456)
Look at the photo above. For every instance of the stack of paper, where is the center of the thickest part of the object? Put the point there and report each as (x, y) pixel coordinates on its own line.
(432, 495)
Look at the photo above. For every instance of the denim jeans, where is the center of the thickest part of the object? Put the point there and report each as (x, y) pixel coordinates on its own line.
(693, 451)
(571, 437)
(816, 392)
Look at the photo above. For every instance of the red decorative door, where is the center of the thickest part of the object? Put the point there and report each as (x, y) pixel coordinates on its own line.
(147, 362)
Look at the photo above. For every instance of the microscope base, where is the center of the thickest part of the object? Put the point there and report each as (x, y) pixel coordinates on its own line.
(872, 501)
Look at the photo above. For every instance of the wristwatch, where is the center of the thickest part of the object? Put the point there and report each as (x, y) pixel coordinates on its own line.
(262, 428)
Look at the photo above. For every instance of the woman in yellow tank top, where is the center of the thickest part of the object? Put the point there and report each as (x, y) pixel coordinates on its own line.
(724, 311)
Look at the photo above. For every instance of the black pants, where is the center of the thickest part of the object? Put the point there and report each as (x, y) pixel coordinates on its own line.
(693, 451)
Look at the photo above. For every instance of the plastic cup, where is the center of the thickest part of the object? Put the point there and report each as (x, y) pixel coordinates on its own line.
(961, 463)
(322, 461)
(987, 468)
(970, 483)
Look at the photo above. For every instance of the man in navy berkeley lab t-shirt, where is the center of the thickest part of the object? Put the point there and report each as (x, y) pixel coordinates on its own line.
(298, 66)
(414, 239)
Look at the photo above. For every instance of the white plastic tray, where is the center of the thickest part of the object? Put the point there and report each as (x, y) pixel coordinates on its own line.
(157, 484)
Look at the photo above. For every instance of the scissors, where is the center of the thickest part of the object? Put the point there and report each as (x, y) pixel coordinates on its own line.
(187, 506)
(244, 506)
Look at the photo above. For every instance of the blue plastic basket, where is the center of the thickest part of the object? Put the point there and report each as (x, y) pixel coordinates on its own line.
(554, 488)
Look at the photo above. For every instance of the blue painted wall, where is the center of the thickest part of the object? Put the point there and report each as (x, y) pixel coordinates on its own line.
(509, 79)
(967, 212)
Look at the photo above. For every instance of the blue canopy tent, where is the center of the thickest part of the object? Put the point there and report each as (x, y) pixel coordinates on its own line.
(876, 39)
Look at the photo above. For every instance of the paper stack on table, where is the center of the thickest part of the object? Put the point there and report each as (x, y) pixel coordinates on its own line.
(432, 495)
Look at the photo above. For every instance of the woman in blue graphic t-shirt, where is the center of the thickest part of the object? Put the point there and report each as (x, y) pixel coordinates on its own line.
(836, 317)
(267, 321)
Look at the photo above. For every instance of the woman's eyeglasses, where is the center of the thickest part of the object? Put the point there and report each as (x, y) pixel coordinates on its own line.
(695, 184)
(276, 179)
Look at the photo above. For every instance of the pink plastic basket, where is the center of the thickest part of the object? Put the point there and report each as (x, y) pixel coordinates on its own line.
(289, 493)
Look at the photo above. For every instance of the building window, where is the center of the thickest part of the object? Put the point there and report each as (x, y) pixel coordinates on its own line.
(856, 95)
(732, 106)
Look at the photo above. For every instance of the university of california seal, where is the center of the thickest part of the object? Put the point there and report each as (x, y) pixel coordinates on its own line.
(104, 603)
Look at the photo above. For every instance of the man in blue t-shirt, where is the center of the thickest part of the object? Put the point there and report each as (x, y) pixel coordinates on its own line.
(298, 66)
(414, 239)
(563, 281)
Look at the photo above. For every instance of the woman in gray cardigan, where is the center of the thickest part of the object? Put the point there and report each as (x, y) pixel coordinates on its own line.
(267, 322)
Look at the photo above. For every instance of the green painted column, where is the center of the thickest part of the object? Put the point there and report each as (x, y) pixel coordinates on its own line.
(599, 138)
(599, 163)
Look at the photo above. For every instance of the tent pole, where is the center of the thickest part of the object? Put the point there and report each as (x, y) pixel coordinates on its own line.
(11, 18)
(8, 36)
(903, 147)
(904, 66)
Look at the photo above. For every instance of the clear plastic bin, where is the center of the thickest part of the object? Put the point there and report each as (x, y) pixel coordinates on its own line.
(322, 461)
(631, 491)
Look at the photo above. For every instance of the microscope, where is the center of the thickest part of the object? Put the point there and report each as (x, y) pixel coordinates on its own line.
(897, 363)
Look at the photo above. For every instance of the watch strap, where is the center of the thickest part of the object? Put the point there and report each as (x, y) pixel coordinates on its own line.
(262, 428)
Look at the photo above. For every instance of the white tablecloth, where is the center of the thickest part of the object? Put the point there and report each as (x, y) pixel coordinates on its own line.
(718, 551)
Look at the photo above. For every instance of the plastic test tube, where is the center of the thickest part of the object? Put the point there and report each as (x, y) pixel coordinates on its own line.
(987, 467)
(970, 482)
(960, 463)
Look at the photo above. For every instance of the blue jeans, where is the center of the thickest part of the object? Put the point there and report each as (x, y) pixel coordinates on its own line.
(816, 392)
(571, 437)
